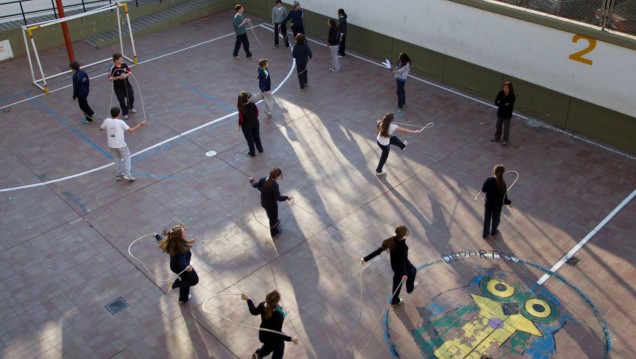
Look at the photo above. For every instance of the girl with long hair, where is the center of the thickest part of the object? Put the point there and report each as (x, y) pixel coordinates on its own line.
(174, 243)
(401, 73)
(385, 139)
(270, 196)
(403, 269)
(505, 103)
(342, 27)
(496, 196)
(332, 43)
(248, 122)
(272, 317)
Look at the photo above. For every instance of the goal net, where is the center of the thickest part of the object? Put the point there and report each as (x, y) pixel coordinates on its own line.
(29, 33)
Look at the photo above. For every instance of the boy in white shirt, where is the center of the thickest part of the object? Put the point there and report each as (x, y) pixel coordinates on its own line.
(115, 130)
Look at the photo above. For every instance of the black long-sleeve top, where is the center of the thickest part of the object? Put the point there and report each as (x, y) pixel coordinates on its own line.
(249, 116)
(269, 195)
(504, 104)
(494, 196)
(275, 322)
(342, 23)
(399, 257)
(180, 261)
(332, 40)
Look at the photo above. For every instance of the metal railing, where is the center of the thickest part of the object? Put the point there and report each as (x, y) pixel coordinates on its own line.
(52, 10)
(616, 15)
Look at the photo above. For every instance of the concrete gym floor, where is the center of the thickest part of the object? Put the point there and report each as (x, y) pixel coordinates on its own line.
(65, 241)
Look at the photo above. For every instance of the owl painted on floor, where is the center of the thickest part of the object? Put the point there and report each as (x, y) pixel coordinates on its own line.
(494, 316)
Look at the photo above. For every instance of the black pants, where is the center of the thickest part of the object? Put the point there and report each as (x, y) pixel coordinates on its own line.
(272, 215)
(85, 108)
(298, 29)
(126, 98)
(276, 348)
(385, 151)
(283, 31)
(492, 214)
(410, 283)
(253, 137)
(301, 70)
(341, 48)
(188, 279)
(242, 39)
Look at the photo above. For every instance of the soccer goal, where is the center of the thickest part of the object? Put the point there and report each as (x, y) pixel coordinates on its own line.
(29, 31)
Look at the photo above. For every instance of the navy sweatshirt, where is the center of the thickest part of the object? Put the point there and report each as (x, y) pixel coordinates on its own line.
(264, 81)
(80, 84)
(269, 195)
(494, 196)
(275, 322)
(296, 17)
(302, 53)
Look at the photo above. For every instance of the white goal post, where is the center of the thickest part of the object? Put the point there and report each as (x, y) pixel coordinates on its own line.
(29, 30)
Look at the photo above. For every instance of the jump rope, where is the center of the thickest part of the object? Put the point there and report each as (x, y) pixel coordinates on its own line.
(160, 280)
(377, 321)
(178, 276)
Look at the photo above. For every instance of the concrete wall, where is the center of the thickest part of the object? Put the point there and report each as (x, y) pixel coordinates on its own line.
(475, 45)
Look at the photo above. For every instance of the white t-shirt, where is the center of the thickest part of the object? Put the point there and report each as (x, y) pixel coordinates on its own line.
(384, 141)
(115, 129)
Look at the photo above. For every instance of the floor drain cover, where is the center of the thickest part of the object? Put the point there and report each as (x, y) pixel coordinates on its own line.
(573, 261)
(117, 305)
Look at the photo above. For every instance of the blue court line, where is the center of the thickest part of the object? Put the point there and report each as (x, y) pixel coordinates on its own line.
(73, 129)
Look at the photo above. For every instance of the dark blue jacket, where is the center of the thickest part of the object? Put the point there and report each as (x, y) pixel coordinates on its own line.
(80, 84)
(296, 17)
(264, 81)
(302, 53)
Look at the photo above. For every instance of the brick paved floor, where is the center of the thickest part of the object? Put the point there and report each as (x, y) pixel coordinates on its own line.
(65, 244)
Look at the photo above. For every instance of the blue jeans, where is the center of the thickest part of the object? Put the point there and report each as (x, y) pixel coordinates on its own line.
(386, 149)
(400, 93)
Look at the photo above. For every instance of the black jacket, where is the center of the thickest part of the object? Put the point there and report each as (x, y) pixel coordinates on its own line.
(269, 195)
(275, 322)
(332, 40)
(504, 104)
(494, 197)
(399, 258)
(81, 84)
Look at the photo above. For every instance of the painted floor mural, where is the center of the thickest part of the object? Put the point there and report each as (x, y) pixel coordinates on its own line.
(492, 307)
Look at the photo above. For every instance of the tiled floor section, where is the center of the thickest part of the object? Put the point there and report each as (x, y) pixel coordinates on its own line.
(65, 245)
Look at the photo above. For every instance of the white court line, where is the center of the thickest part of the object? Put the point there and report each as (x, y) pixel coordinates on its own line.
(274, 91)
(157, 144)
(589, 236)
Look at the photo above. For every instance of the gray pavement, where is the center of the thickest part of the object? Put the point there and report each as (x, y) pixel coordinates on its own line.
(65, 243)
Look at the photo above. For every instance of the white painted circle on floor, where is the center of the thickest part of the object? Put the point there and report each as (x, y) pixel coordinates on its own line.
(210, 153)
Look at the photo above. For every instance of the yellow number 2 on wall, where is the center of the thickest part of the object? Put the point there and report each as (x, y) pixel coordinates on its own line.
(578, 56)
